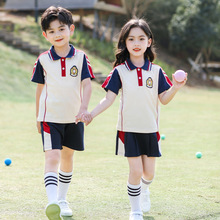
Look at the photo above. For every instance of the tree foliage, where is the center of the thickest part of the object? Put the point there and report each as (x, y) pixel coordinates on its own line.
(158, 14)
(136, 8)
(195, 26)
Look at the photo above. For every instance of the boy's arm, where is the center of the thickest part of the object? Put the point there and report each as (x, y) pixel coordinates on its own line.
(87, 90)
(168, 95)
(38, 94)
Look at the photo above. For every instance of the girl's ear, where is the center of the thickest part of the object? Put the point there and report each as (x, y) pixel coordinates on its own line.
(72, 28)
(149, 42)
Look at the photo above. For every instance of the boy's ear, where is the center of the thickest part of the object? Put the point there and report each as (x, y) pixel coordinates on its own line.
(72, 28)
(44, 34)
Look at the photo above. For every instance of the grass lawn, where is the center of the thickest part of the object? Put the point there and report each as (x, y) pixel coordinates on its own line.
(185, 188)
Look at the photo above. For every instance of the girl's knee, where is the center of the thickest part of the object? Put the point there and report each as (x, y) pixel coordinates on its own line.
(136, 172)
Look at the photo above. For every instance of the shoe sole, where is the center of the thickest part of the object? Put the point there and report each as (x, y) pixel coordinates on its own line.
(53, 212)
(66, 215)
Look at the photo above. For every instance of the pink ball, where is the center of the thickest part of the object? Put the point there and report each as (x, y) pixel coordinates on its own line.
(179, 75)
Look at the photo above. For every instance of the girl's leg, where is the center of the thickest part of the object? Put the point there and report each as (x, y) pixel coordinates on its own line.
(134, 185)
(147, 178)
(65, 172)
(148, 167)
(52, 158)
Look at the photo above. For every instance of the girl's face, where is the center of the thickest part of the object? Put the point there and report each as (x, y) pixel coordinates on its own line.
(137, 43)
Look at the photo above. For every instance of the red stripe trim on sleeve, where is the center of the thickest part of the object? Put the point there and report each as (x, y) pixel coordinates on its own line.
(107, 79)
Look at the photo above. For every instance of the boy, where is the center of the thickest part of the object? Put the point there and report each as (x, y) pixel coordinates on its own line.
(60, 73)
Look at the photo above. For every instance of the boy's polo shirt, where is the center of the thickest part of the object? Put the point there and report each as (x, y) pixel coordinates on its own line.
(60, 99)
(140, 87)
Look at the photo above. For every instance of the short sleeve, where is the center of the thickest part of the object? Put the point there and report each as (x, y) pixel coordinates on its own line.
(86, 69)
(38, 73)
(164, 82)
(113, 82)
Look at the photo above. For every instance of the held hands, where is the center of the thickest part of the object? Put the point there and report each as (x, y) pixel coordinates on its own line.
(85, 117)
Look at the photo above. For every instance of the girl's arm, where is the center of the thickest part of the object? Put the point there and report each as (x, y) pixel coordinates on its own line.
(38, 94)
(168, 95)
(87, 90)
(103, 105)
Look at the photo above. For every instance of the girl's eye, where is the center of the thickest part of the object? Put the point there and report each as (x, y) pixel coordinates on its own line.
(142, 39)
(130, 39)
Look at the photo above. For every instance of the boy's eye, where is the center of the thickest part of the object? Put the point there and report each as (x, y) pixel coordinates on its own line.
(50, 32)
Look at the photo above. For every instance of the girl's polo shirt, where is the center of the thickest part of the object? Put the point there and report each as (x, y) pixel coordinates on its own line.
(140, 87)
(60, 99)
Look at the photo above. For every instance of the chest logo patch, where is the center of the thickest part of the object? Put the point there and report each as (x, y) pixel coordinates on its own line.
(149, 82)
(74, 71)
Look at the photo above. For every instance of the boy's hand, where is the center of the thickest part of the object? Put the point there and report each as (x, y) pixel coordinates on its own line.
(84, 117)
(87, 118)
(38, 127)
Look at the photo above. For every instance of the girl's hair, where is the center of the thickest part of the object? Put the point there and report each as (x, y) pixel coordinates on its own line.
(122, 53)
(55, 13)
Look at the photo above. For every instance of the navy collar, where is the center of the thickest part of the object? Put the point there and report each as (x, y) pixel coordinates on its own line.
(54, 56)
(130, 66)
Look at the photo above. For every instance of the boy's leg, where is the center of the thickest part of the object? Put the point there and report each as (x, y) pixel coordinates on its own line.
(147, 178)
(65, 176)
(52, 158)
(134, 186)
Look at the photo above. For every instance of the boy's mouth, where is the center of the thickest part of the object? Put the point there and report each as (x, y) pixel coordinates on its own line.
(58, 40)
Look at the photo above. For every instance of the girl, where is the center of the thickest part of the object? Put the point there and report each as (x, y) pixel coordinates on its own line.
(142, 84)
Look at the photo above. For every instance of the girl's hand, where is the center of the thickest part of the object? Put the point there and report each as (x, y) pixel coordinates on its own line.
(87, 118)
(177, 84)
(38, 126)
(84, 117)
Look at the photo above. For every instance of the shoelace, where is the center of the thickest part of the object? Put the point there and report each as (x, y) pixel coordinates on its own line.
(64, 204)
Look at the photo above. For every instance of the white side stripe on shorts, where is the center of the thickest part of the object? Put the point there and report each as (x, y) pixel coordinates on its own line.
(47, 141)
(121, 147)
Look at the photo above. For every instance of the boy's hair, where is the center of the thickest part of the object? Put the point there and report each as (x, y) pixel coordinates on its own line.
(122, 52)
(55, 13)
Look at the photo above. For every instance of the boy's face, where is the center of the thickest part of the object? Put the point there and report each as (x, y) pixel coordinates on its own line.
(58, 34)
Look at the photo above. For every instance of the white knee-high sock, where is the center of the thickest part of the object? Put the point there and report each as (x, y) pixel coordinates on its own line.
(51, 182)
(64, 182)
(134, 192)
(145, 184)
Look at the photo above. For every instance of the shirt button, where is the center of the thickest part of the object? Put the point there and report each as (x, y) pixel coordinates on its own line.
(62, 59)
(138, 69)
(63, 68)
(139, 77)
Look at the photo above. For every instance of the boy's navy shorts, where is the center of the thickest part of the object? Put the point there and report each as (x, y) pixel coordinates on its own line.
(131, 144)
(55, 136)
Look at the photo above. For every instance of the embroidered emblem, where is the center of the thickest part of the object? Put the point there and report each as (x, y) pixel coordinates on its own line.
(149, 82)
(74, 71)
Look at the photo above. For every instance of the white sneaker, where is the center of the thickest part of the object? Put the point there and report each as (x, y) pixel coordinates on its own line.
(53, 211)
(145, 200)
(65, 209)
(136, 216)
